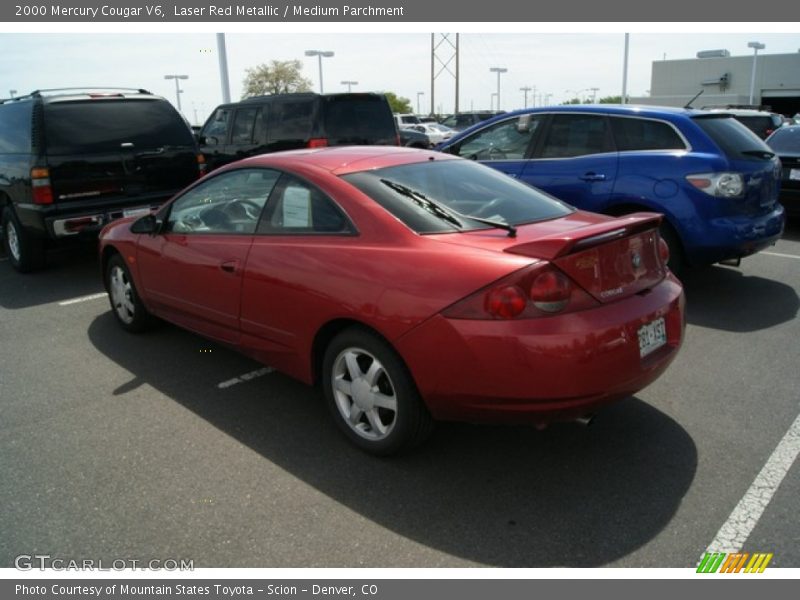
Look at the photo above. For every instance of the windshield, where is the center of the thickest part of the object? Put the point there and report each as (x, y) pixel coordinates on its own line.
(103, 125)
(733, 138)
(463, 187)
(785, 141)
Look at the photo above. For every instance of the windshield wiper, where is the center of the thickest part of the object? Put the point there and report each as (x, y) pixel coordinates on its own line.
(444, 212)
(759, 153)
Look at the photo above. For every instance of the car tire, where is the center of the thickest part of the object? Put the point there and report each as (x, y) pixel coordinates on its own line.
(126, 305)
(371, 394)
(25, 251)
(677, 259)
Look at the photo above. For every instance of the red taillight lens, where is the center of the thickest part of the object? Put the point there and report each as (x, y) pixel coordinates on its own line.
(663, 251)
(40, 183)
(551, 291)
(202, 167)
(318, 143)
(539, 290)
(505, 302)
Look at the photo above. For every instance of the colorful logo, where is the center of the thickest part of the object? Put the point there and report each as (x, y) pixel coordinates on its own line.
(736, 562)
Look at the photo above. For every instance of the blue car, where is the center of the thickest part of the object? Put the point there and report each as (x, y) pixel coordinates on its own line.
(714, 180)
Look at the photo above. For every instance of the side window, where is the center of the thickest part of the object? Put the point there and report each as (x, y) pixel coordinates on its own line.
(229, 203)
(15, 127)
(290, 120)
(299, 208)
(242, 132)
(216, 129)
(507, 139)
(260, 127)
(576, 135)
(644, 134)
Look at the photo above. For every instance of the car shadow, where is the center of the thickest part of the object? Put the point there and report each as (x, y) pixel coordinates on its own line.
(723, 298)
(497, 495)
(792, 230)
(70, 273)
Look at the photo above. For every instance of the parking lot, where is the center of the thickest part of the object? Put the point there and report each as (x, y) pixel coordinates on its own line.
(165, 445)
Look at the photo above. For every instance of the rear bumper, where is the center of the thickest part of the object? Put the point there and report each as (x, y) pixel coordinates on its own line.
(81, 219)
(540, 370)
(734, 236)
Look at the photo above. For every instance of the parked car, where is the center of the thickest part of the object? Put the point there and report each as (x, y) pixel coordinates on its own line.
(73, 160)
(403, 121)
(410, 284)
(291, 121)
(415, 139)
(715, 182)
(760, 122)
(436, 133)
(785, 142)
(464, 120)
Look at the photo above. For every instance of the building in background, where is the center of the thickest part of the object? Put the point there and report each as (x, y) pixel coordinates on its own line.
(725, 80)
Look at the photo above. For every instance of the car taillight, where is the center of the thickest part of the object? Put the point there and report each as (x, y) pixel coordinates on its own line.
(202, 167)
(721, 185)
(318, 143)
(40, 184)
(539, 290)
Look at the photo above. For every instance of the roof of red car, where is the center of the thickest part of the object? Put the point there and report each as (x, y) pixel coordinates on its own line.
(341, 160)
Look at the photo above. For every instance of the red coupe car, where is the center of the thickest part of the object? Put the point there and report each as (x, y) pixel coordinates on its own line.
(412, 285)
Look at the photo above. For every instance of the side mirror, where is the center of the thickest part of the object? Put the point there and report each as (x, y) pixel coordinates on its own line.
(145, 224)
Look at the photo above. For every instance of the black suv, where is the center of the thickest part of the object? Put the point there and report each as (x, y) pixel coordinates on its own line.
(290, 121)
(72, 161)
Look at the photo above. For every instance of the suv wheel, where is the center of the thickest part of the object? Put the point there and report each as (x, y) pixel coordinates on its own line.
(371, 394)
(25, 251)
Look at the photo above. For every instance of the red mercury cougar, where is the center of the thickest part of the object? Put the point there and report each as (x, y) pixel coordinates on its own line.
(413, 285)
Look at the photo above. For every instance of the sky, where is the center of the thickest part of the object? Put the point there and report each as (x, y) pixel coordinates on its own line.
(561, 65)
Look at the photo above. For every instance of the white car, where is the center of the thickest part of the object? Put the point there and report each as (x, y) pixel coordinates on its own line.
(436, 132)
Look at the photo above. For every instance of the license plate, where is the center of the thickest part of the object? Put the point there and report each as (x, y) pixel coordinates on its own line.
(652, 336)
(136, 212)
(794, 173)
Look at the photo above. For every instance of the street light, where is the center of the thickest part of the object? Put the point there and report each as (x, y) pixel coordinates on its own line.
(418, 95)
(499, 71)
(525, 90)
(319, 54)
(12, 92)
(594, 94)
(178, 90)
(349, 85)
(491, 100)
(756, 46)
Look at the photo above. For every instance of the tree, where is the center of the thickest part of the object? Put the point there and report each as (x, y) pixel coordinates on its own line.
(573, 101)
(611, 100)
(277, 77)
(398, 104)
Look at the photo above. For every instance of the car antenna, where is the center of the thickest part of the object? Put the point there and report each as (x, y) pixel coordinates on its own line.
(696, 96)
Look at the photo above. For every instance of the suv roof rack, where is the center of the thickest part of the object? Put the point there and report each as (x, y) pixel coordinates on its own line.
(39, 93)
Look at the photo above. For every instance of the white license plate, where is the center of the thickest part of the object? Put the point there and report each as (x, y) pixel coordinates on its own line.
(136, 212)
(794, 173)
(652, 336)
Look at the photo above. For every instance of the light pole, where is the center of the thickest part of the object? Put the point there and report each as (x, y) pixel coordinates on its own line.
(499, 71)
(418, 95)
(594, 94)
(12, 92)
(525, 90)
(491, 100)
(178, 90)
(756, 46)
(349, 85)
(319, 54)
(625, 70)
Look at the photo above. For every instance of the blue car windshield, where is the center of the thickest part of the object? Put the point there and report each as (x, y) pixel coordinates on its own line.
(441, 195)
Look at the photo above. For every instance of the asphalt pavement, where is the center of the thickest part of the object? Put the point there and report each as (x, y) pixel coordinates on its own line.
(120, 446)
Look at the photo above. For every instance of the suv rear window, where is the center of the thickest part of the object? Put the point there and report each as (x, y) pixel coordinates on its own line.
(762, 126)
(102, 125)
(359, 120)
(735, 140)
(786, 140)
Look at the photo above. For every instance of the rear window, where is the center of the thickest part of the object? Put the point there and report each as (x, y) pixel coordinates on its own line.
(102, 125)
(410, 193)
(290, 120)
(785, 141)
(735, 140)
(359, 120)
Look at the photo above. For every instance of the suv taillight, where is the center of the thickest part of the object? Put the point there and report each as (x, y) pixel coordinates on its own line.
(40, 184)
(539, 290)
(318, 143)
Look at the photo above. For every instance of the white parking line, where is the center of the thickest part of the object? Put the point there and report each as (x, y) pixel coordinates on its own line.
(82, 299)
(246, 377)
(781, 255)
(734, 533)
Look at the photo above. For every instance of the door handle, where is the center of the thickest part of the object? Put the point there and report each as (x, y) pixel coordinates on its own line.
(230, 266)
(592, 176)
